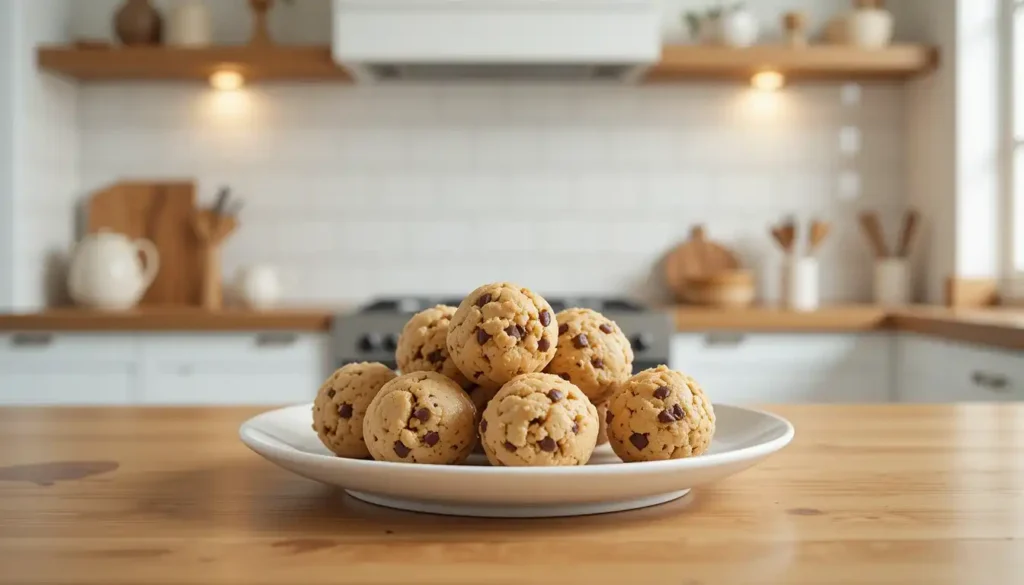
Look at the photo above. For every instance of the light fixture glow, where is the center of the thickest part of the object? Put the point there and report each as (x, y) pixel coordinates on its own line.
(768, 81)
(226, 80)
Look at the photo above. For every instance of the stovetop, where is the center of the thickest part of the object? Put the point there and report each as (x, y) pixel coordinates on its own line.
(417, 304)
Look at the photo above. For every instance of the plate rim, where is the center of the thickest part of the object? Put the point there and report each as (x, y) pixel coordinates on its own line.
(249, 435)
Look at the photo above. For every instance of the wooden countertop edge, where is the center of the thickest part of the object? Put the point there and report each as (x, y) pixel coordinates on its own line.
(980, 327)
(162, 320)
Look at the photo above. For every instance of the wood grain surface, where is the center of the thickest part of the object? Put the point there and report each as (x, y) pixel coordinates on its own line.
(884, 495)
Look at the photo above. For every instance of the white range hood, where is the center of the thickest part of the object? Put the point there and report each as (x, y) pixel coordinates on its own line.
(411, 40)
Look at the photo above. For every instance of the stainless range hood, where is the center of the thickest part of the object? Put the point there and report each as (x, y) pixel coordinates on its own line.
(431, 40)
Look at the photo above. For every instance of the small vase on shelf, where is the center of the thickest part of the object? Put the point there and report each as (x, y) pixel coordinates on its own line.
(189, 24)
(137, 22)
(870, 25)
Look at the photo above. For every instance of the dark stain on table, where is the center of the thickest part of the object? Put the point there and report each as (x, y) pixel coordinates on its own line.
(304, 545)
(804, 512)
(47, 474)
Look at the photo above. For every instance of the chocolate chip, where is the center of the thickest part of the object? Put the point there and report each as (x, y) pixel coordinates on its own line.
(580, 341)
(436, 356)
(639, 441)
(565, 377)
(483, 300)
(345, 410)
(478, 374)
(482, 336)
(678, 411)
(555, 395)
(510, 446)
(431, 438)
(418, 355)
(597, 363)
(544, 318)
(483, 426)
(537, 421)
(543, 344)
(608, 416)
(666, 417)
(606, 328)
(548, 444)
(563, 328)
(662, 392)
(576, 428)
(515, 331)
(401, 450)
(331, 393)
(423, 414)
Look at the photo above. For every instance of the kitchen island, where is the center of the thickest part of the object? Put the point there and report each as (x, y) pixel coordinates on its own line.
(880, 494)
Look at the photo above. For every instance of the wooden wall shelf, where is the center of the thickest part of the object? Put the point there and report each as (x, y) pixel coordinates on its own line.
(314, 63)
(819, 62)
(274, 63)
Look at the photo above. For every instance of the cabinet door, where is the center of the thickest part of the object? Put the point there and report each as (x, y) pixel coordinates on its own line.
(271, 368)
(790, 368)
(939, 370)
(72, 369)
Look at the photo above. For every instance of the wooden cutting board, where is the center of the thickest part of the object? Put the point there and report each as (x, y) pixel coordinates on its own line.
(160, 212)
(697, 257)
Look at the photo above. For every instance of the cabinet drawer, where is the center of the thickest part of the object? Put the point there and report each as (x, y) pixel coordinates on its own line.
(740, 350)
(277, 346)
(56, 348)
(229, 387)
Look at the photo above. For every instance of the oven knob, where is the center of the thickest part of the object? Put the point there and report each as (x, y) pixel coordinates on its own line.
(370, 342)
(391, 342)
(642, 342)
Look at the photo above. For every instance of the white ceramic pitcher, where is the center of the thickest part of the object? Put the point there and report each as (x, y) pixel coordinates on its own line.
(106, 272)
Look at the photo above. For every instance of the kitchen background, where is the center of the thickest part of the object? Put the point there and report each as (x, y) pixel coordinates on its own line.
(355, 191)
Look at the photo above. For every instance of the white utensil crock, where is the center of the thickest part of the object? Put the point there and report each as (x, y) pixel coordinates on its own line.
(189, 24)
(257, 287)
(892, 282)
(800, 284)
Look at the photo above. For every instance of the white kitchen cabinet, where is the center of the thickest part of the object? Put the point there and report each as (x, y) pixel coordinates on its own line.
(247, 368)
(67, 368)
(738, 368)
(939, 370)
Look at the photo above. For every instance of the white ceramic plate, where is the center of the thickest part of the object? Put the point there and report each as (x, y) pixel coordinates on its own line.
(742, 438)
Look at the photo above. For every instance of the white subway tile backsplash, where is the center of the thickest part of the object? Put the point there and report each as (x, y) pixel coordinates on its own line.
(358, 191)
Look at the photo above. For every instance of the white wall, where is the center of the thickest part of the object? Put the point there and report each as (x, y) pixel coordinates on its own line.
(44, 156)
(358, 191)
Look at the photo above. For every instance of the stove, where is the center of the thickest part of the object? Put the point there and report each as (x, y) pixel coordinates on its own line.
(370, 334)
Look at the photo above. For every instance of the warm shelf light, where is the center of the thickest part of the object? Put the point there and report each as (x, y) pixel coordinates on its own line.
(226, 80)
(768, 81)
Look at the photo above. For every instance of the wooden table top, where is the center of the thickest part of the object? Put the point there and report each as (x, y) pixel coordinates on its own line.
(888, 494)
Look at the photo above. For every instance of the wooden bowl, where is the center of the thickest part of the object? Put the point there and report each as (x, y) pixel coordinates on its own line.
(733, 288)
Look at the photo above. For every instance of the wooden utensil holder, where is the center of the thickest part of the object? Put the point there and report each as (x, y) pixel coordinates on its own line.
(211, 230)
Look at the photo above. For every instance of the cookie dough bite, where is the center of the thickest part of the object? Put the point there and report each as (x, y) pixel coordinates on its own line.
(500, 331)
(341, 404)
(539, 420)
(660, 414)
(592, 353)
(421, 345)
(422, 417)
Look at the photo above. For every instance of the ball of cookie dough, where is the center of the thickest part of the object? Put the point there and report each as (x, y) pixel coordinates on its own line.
(592, 353)
(660, 414)
(422, 417)
(500, 331)
(341, 404)
(539, 420)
